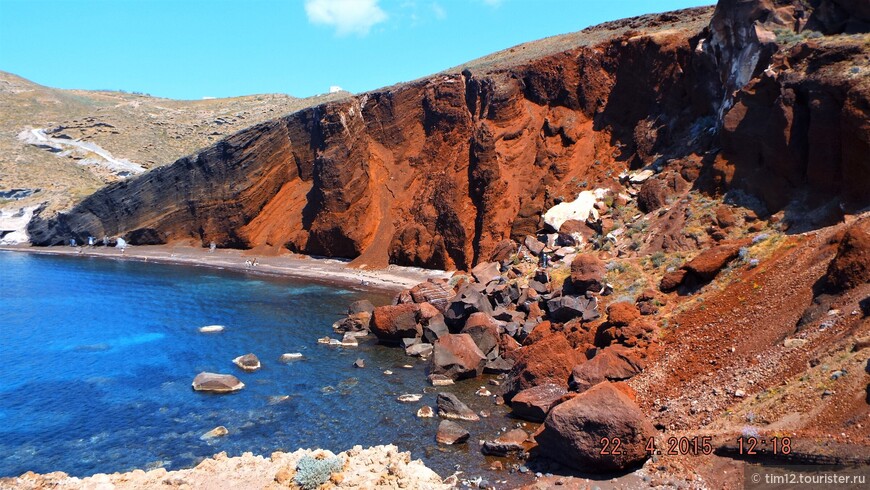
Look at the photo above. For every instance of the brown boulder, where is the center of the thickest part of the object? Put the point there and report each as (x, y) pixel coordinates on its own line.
(541, 330)
(503, 250)
(622, 313)
(436, 293)
(573, 431)
(247, 362)
(532, 404)
(725, 217)
(392, 323)
(709, 262)
(451, 433)
(485, 272)
(548, 361)
(457, 356)
(613, 363)
(217, 383)
(672, 280)
(512, 441)
(653, 194)
(587, 273)
(851, 265)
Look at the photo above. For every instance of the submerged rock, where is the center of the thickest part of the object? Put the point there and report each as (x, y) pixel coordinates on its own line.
(409, 398)
(509, 442)
(425, 412)
(217, 383)
(451, 433)
(247, 362)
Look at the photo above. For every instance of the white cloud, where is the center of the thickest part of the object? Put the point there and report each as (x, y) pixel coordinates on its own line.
(439, 11)
(347, 16)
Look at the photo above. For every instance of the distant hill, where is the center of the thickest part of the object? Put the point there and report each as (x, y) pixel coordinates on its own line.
(145, 131)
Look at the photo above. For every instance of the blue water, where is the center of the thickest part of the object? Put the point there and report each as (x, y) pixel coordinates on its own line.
(97, 357)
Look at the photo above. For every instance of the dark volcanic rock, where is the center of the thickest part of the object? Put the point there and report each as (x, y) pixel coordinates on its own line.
(483, 329)
(566, 308)
(451, 407)
(573, 431)
(466, 302)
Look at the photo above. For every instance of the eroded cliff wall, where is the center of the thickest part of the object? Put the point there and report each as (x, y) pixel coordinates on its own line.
(437, 172)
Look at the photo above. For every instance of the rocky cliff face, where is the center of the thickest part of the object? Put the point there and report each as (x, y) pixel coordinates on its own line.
(437, 172)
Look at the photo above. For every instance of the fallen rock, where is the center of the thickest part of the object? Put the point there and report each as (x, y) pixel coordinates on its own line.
(247, 362)
(354, 322)
(451, 407)
(587, 273)
(652, 195)
(359, 363)
(613, 363)
(217, 383)
(486, 272)
(510, 442)
(672, 280)
(534, 403)
(622, 313)
(457, 357)
(851, 266)
(709, 262)
(419, 350)
(466, 302)
(484, 331)
(573, 430)
(434, 329)
(533, 245)
(498, 365)
(451, 433)
(547, 361)
(567, 308)
(440, 380)
(436, 293)
(392, 323)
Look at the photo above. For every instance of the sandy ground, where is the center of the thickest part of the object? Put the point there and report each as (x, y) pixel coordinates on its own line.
(330, 271)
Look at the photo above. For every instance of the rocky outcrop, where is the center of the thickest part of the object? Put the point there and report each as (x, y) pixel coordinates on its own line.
(851, 266)
(378, 467)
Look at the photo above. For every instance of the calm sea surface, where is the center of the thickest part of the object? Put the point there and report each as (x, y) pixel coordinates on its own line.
(97, 357)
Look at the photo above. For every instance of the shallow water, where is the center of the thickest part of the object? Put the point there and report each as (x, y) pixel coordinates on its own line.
(98, 357)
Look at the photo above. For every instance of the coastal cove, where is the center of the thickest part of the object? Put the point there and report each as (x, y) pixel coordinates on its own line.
(99, 357)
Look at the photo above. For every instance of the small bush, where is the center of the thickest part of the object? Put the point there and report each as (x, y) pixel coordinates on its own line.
(311, 472)
(657, 259)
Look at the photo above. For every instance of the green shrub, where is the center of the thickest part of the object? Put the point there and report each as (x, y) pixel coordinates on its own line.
(311, 472)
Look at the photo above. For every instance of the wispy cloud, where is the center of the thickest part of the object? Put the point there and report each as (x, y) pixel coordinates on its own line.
(347, 16)
(439, 11)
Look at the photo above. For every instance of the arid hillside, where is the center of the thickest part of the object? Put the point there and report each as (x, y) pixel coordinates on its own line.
(144, 131)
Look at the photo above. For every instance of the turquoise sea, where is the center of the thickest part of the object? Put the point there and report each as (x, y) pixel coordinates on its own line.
(97, 358)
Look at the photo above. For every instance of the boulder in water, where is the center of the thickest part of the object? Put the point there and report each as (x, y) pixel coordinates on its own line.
(247, 362)
(217, 383)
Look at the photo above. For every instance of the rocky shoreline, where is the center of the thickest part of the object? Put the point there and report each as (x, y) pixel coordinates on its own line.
(374, 467)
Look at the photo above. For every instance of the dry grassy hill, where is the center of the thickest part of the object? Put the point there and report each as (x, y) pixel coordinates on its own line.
(147, 131)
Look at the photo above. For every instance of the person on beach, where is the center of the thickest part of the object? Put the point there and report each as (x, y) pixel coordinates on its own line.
(90, 242)
(211, 247)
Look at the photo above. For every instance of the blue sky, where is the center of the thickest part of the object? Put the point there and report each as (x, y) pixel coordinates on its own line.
(188, 49)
